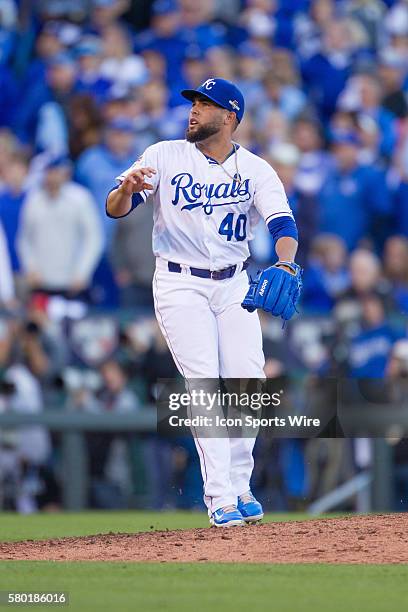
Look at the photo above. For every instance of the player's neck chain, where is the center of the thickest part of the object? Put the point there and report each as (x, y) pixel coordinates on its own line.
(236, 178)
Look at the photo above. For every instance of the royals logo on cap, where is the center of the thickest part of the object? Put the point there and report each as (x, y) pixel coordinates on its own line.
(222, 92)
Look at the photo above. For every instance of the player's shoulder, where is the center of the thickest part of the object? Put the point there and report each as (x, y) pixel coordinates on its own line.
(255, 162)
(167, 146)
(252, 157)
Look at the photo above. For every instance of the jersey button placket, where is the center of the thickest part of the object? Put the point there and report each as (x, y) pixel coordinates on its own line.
(208, 238)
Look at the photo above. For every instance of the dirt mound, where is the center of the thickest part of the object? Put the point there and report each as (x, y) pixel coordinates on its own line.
(356, 539)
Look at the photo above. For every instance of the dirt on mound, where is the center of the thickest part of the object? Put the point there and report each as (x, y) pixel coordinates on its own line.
(356, 539)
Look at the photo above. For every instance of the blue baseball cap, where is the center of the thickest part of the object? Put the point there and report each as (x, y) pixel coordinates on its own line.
(57, 161)
(222, 92)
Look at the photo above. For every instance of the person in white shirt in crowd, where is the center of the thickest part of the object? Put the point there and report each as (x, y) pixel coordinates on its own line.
(22, 451)
(108, 451)
(120, 65)
(60, 240)
(306, 134)
(7, 295)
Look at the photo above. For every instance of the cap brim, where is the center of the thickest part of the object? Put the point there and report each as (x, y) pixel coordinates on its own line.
(190, 94)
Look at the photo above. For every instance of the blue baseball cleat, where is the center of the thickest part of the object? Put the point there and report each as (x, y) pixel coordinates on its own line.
(250, 508)
(229, 516)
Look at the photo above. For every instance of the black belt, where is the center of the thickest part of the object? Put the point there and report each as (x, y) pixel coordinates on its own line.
(215, 275)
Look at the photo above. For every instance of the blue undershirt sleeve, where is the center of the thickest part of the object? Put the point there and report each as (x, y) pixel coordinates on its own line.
(283, 226)
(137, 199)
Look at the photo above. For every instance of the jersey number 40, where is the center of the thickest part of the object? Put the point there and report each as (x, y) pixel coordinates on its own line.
(227, 227)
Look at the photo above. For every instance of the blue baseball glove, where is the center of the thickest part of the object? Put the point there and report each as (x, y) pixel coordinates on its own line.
(276, 290)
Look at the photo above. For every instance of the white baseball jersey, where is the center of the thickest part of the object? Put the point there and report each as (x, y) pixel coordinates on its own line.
(205, 219)
(202, 217)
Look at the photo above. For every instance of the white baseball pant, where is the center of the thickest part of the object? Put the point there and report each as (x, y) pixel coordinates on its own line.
(209, 335)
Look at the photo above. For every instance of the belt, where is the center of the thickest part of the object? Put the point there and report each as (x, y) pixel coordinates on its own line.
(214, 275)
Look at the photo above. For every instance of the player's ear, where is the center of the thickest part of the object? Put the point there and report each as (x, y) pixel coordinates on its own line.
(230, 118)
(232, 121)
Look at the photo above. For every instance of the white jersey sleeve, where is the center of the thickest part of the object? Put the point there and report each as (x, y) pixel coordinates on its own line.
(148, 159)
(270, 198)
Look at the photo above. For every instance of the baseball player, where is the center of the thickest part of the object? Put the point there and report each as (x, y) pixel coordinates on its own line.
(208, 193)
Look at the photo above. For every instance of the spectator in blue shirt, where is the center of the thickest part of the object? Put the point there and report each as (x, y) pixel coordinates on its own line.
(362, 95)
(165, 37)
(197, 24)
(309, 27)
(326, 276)
(325, 73)
(105, 12)
(371, 347)
(258, 20)
(194, 71)
(396, 269)
(49, 43)
(40, 116)
(119, 65)
(8, 30)
(284, 157)
(90, 80)
(9, 95)
(98, 166)
(168, 123)
(401, 207)
(371, 94)
(366, 277)
(11, 202)
(251, 64)
(354, 199)
(286, 97)
(314, 162)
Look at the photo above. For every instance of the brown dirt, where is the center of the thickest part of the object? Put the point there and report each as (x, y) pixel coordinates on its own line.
(355, 539)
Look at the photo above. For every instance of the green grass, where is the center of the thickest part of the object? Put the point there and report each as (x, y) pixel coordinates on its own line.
(213, 587)
(44, 526)
(200, 587)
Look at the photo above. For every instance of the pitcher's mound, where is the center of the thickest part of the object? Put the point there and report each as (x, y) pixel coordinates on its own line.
(355, 539)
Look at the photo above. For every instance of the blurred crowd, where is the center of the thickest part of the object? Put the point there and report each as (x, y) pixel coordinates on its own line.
(86, 86)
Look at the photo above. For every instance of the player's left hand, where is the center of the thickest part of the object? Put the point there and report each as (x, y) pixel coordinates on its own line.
(276, 289)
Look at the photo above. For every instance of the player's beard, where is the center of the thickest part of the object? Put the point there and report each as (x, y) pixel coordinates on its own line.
(202, 132)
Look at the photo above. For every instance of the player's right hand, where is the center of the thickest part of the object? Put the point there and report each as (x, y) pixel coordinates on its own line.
(135, 181)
